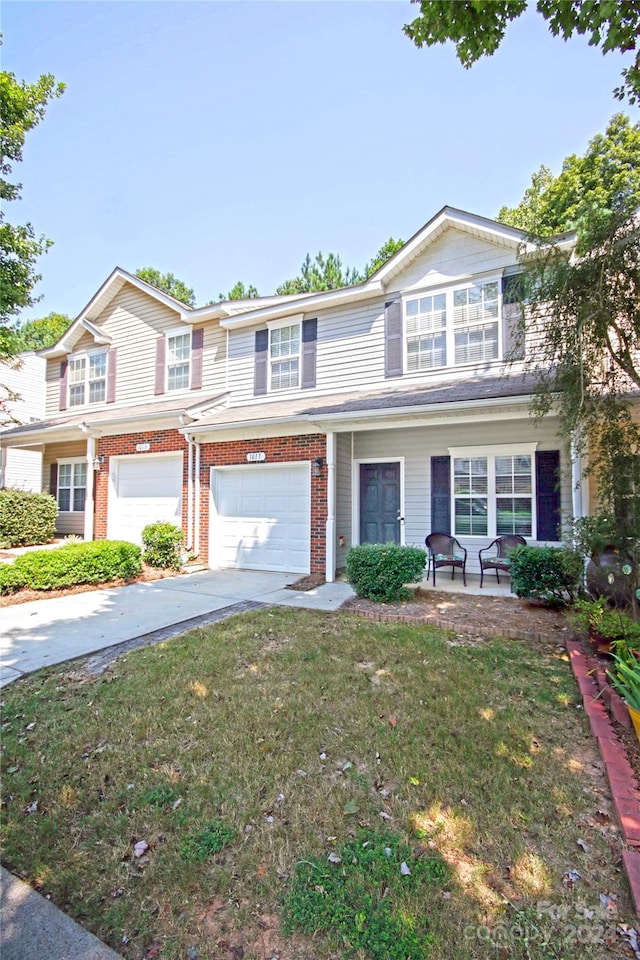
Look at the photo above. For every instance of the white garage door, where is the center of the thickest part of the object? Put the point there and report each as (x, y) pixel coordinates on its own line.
(261, 518)
(143, 490)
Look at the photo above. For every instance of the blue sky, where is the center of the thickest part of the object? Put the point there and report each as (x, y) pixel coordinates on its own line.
(222, 141)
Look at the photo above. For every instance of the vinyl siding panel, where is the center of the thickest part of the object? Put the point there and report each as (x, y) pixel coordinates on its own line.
(343, 496)
(455, 256)
(133, 320)
(418, 444)
(22, 469)
(66, 523)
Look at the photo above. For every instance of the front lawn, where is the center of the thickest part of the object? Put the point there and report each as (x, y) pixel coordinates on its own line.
(302, 785)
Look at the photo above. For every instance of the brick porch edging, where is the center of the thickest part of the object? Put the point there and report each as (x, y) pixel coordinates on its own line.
(622, 781)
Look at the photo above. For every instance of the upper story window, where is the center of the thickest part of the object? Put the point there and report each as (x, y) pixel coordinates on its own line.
(284, 356)
(457, 326)
(178, 361)
(87, 378)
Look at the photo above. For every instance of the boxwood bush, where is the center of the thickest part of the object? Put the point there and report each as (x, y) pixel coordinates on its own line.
(548, 574)
(379, 571)
(26, 518)
(96, 561)
(161, 545)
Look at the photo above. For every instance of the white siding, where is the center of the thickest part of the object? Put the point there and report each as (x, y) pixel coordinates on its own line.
(418, 444)
(134, 321)
(343, 495)
(22, 469)
(66, 522)
(455, 256)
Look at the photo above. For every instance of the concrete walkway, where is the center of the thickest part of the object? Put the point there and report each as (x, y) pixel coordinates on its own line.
(44, 632)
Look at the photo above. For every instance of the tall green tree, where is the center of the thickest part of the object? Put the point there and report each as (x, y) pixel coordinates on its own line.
(42, 333)
(606, 178)
(240, 292)
(386, 251)
(22, 107)
(168, 283)
(581, 309)
(321, 273)
(477, 28)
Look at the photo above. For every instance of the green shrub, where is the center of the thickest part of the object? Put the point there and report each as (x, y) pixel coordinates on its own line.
(26, 518)
(379, 571)
(161, 545)
(551, 575)
(96, 561)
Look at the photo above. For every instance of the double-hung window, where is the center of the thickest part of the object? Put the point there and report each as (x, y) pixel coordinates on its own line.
(72, 486)
(426, 332)
(87, 378)
(454, 326)
(475, 321)
(178, 361)
(284, 356)
(493, 491)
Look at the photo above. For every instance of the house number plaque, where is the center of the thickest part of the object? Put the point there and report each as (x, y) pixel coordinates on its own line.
(256, 457)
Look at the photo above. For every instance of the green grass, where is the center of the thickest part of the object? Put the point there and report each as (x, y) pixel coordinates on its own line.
(247, 753)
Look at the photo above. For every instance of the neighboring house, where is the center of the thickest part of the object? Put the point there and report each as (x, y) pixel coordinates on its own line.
(21, 469)
(280, 431)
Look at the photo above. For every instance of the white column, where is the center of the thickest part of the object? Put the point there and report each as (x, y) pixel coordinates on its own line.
(330, 571)
(88, 502)
(196, 535)
(189, 542)
(577, 481)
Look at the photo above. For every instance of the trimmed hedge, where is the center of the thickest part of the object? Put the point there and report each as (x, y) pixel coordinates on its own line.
(379, 571)
(161, 544)
(548, 574)
(96, 561)
(26, 518)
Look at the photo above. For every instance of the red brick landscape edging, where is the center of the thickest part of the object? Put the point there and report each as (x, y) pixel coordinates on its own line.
(591, 680)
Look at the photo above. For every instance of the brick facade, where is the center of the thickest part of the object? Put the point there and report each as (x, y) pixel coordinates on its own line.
(232, 453)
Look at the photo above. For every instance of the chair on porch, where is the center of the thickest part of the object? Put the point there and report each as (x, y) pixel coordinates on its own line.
(445, 551)
(500, 560)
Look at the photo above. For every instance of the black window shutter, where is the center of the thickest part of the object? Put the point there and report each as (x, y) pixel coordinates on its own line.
(260, 363)
(512, 292)
(53, 479)
(393, 338)
(309, 342)
(548, 494)
(441, 495)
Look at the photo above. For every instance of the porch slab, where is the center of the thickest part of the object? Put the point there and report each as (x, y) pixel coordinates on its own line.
(490, 588)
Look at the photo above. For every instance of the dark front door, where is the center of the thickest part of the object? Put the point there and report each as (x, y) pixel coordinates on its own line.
(379, 503)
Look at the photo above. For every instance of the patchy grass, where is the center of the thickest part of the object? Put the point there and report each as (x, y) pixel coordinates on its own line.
(181, 804)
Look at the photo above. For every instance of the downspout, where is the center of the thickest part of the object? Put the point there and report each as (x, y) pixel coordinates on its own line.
(196, 535)
(330, 571)
(189, 542)
(90, 483)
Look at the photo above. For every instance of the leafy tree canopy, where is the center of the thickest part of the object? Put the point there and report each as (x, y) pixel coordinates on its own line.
(386, 251)
(322, 273)
(42, 333)
(22, 107)
(478, 28)
(168, 284)
(606, 178)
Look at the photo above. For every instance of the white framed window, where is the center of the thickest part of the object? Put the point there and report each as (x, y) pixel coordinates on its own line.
(426, 332)
(284, 356)
(178, 360)
(458, 326)
(72, 486)
(87, 378)
(493, 490)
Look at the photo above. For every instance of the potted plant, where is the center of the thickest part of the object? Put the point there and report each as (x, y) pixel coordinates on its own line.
(605, 625)
(625, 679)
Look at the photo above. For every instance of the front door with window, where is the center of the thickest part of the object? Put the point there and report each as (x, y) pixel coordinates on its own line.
(379, 503)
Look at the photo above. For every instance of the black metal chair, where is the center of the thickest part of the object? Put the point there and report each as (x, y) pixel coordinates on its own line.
(445, 551)
(500, 560)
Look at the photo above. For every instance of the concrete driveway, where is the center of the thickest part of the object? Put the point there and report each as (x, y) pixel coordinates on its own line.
(49, 631)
